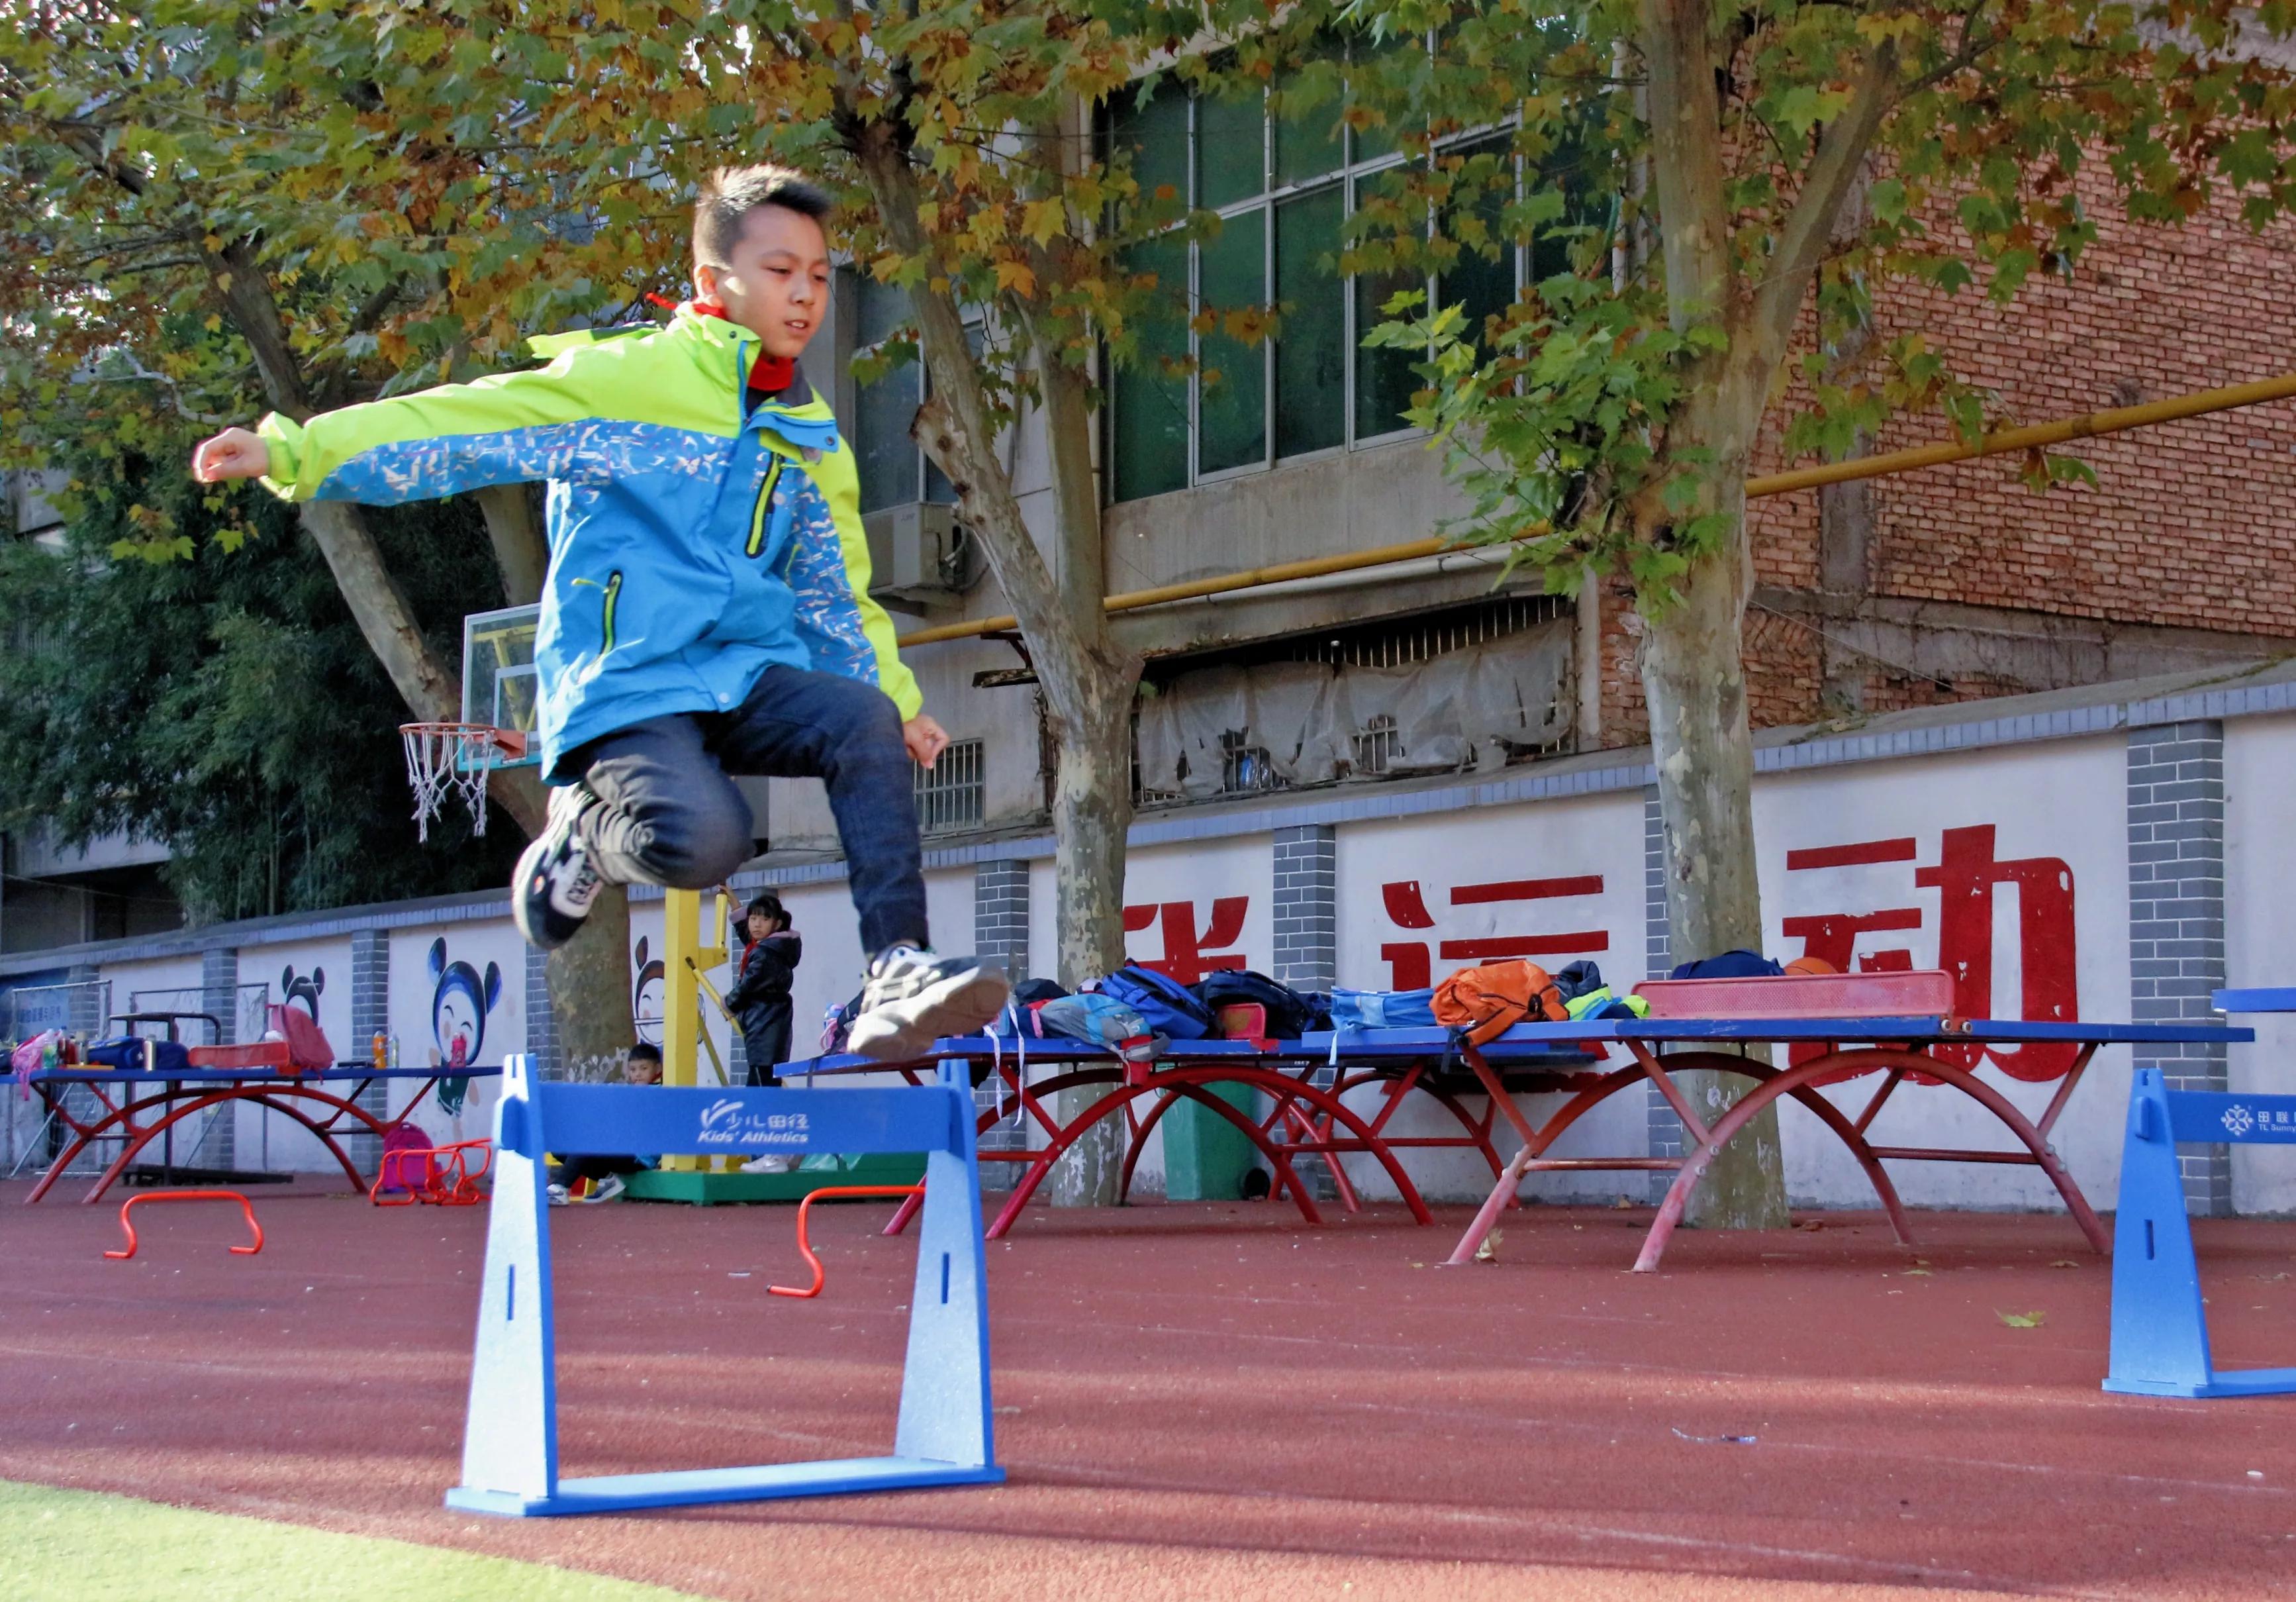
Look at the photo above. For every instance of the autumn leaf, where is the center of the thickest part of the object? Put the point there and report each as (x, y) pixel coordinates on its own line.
(2020, 1320)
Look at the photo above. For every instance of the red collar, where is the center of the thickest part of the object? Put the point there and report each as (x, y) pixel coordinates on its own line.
(768, 373)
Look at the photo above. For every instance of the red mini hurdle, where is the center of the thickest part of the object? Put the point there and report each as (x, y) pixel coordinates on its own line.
(820, 1275)
(246, 1208)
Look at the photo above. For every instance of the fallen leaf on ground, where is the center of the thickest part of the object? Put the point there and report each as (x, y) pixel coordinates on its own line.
(1488, 1252)
(2020, 1320)
(2064, 1262)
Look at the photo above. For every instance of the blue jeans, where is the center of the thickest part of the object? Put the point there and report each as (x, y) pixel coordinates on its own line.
(672, 817)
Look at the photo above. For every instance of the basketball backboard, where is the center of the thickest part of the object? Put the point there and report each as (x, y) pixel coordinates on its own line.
(498, 681)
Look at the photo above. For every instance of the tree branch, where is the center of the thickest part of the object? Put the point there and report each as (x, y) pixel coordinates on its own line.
(1832, 177)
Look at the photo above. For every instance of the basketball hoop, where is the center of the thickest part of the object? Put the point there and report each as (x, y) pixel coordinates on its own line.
(458, 757)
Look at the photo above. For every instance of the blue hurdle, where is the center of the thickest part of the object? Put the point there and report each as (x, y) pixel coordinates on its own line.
(944, 1434)
(2160, 1323)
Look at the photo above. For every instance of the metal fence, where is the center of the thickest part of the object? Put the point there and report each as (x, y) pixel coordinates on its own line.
(26, 1134)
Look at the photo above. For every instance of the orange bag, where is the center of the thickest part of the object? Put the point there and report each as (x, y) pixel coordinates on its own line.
(1489, 1000)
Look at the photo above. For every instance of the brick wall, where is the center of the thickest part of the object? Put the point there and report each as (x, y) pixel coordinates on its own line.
(2186, 526)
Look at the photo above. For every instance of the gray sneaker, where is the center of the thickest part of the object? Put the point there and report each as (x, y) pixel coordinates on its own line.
(556, 880)
(915, 997)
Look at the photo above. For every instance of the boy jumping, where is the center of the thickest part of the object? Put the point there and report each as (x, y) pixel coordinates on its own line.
(707, 611)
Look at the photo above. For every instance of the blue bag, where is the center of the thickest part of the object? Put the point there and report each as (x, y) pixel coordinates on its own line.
(1383, 1009)
(1167, 1005)
(139, 1054)
(1730, 964)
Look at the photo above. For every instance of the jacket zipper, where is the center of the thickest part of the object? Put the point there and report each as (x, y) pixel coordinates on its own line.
(765, 501)
(613, 594)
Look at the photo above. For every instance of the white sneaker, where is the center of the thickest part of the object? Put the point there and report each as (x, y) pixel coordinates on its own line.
(915, 997)
(772, 1162)
(558, 1196)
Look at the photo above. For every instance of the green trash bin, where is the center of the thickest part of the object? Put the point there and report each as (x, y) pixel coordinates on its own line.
(1206, 1156)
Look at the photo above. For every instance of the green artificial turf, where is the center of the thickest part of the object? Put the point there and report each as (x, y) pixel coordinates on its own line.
(75, 1546)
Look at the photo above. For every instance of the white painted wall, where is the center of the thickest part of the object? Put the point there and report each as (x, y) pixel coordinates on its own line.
(1556, 882)
(2030, 826)
(457, 993)
(2061, 802)
(2260, 935)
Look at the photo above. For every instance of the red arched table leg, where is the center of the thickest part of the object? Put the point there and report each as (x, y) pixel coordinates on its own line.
(1789, 1080)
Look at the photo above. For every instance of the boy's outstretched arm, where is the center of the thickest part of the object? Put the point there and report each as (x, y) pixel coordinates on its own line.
(503, 430)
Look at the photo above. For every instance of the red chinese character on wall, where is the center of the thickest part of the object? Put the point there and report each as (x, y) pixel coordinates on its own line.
(1966, 877)
(1409, 962)
(1189, 955)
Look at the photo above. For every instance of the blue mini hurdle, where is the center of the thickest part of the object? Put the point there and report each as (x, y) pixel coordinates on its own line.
(2160, 1323)
(510, 1440)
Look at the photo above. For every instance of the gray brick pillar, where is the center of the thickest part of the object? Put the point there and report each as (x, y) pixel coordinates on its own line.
(219, 995)
(1307, 922)
(541, 1023)
(219, 991)
(1307, 907)
(370, 1016)
(2177, 920)
(1665, 1130)
(1000, 930)
(1000, 914)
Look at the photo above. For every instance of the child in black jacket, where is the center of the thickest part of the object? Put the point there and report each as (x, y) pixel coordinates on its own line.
(760, 996)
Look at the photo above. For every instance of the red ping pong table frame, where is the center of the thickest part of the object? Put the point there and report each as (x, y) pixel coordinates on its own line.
(1299, 1117)
(137, 1120)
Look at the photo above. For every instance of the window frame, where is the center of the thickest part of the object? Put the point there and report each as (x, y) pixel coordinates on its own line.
(976, 323)
(1348, 177)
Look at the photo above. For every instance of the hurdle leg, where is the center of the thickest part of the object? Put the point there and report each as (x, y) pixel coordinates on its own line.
(510, 1442)
(945, 1413)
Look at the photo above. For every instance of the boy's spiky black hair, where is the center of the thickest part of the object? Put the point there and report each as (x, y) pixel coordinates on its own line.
(731, 194)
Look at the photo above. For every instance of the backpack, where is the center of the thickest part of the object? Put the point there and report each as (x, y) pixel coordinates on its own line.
(1489, 1000)
(837, 1023)
(1098, 1021)
(1290, 1015)
(1383, 1009)
(308, 1049)
(1164, 1003)
(1579, 979)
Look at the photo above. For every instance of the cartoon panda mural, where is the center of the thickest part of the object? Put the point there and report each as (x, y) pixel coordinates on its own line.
(459, 1005)
(306, 989)
(647, 997)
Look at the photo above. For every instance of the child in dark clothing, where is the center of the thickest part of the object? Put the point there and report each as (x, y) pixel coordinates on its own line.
(759, 998)
(597, 1176)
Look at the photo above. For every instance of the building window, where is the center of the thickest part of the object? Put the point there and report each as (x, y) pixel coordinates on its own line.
(1283, 188)
(1375, 746)
(950, 794)
(894, 470)
(1446, 691)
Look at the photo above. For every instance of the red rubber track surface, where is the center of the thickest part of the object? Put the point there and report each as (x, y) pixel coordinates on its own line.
(1203, 1401)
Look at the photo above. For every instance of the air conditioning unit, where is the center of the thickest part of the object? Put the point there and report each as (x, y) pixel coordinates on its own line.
(919, 555)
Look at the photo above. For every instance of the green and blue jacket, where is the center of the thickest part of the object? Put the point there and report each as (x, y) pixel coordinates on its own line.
(694, 541)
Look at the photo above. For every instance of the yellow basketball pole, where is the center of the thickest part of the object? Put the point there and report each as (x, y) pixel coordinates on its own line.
(687, 955)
